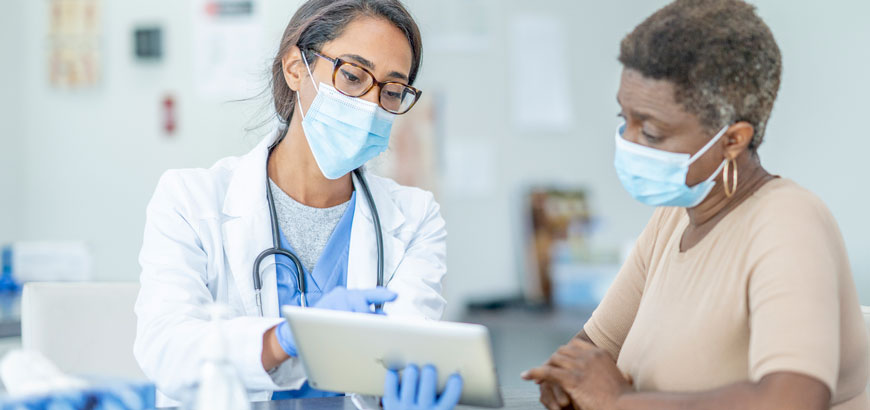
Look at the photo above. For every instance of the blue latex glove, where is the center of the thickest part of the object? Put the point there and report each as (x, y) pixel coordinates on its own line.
(342, 299)
(355, 300)
(414, 394)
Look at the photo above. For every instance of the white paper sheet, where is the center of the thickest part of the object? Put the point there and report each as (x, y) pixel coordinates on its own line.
(540, 77)
(229, 57)
(74, 33)
(464, 27)
(51, 261)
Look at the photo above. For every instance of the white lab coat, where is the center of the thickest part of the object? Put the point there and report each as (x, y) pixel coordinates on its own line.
(205, 227)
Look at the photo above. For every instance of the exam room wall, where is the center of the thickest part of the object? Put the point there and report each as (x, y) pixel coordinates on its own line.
(815, 136)
(10, 135)
(90, 160)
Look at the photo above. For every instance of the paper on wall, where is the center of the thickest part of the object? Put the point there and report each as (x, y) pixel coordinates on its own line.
(51, 261)
(229, 58)
(540, 75)
(73, 55)
(464, 27)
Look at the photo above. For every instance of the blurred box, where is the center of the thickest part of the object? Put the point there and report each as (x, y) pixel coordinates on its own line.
(581, 285)
(40, 261)
(557, 230)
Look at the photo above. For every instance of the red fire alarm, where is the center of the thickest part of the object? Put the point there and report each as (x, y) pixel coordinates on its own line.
(169, 115)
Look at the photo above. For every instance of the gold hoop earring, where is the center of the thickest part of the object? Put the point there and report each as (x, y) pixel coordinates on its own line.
(730, 165)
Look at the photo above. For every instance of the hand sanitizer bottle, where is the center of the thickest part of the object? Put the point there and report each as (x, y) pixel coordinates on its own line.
(220, 387)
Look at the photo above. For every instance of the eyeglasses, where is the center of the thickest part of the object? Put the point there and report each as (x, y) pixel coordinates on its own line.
(353, 80)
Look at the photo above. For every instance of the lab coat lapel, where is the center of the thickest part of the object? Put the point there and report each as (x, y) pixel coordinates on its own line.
(362, 261)
(247, 230)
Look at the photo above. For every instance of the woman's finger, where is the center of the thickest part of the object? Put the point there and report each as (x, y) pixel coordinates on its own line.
(391, 387)
(547, 398)
(451, 394)
(569, 350)
(357, 303)
(531, 374)
(379, 295)
(428, 387)
(566, 362)
(547, 373)
(560, 395)
(408, 390)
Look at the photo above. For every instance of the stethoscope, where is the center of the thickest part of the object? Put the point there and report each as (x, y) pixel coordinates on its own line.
(300, 273)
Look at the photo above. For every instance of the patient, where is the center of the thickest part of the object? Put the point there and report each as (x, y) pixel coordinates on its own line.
(738, 294)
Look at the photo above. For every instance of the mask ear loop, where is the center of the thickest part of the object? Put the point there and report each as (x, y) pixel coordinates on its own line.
(707, 147)
(717, 172)
(310, 77)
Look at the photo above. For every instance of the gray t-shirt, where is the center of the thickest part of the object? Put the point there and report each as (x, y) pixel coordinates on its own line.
(306, 228)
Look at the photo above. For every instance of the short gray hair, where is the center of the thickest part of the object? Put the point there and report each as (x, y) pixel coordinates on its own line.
(720, 56)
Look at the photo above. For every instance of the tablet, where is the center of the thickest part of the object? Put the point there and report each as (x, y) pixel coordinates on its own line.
(351, 352)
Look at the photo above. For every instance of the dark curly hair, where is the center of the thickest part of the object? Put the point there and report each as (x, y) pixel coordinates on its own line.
(720, 56)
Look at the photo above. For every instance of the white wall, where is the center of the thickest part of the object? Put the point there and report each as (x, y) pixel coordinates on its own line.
(484, 256)
(10, 131)
(817, 135)
(90, 160)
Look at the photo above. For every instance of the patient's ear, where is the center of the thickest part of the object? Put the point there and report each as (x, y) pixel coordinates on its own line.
(738, 138)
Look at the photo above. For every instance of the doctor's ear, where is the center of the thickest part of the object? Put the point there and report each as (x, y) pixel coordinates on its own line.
(293, 68)
(737, 138)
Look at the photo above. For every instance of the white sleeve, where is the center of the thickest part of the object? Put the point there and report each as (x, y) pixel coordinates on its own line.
(171, 307)
(418, 277)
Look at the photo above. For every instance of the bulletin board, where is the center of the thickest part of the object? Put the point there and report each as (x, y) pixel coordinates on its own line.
(74, 42)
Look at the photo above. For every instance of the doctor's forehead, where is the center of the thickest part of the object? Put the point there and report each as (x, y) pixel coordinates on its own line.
(376, 44)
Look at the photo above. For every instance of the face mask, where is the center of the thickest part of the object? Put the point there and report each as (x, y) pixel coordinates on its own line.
(343, 132)
(658, 178)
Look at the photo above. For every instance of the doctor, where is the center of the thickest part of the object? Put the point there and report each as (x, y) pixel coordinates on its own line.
(343, 71)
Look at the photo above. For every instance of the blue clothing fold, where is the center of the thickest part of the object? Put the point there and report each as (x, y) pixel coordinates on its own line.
(329, 272)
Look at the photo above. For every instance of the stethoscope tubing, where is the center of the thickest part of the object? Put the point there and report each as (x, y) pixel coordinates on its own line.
(276, 249)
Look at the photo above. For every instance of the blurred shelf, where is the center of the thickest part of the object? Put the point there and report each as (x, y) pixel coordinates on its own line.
(10, 314)
(10, 328)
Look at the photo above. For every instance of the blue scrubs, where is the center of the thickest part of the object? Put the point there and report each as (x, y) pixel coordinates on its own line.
(330, 272)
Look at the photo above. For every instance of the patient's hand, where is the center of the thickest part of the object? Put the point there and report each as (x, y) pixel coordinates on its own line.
(587, 373)
(553, 397)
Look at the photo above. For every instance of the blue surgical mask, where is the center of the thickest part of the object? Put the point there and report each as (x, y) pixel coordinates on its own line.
(343, 132)
(658, 178)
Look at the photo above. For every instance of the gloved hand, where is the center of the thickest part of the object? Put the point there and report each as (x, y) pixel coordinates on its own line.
(342, 299)
(355, 300)
(422, 395)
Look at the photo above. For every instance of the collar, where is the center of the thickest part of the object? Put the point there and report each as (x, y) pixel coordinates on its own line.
(246, 192)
